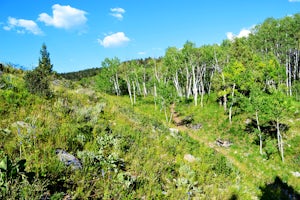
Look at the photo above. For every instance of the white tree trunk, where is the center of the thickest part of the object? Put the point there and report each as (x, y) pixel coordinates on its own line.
(134, 93)
(231, 105)
(187, 87)
(177, 85)
(155, 95)
(117, 85)
(144, 89)
(225, 95)
(195, 89)
(129, 90)
(279, 140)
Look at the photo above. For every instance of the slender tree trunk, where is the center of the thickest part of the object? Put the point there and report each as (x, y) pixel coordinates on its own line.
(202, 94)
(129, 90)
(155, 72)
(224, 95)
(137, 87)
(187, 87)
(209, 84)
(195, 90)
(215, 67)
(202, 71)
(259, 133)
(144, 84)
(134, 92)
(288, 76)
(176, 84)
(231, 105)
(279, 140)
(117, 85)
(155, 95)
(144, 89)
(297, 64)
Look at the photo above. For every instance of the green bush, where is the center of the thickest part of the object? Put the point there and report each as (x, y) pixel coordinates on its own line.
(37, 83)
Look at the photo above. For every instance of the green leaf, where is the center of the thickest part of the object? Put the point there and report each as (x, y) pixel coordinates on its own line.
(3, 163)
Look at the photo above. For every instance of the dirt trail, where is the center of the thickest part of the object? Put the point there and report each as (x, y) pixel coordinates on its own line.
(224, 151)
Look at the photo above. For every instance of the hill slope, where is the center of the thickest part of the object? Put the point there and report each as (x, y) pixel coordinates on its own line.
(128, 151)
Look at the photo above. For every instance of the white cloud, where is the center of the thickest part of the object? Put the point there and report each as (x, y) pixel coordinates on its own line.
(294, 0)
(243, 33)
(22, 26)
(142, 53)
(117, 13)
(118, 10)
(114, 40)
(64, 17)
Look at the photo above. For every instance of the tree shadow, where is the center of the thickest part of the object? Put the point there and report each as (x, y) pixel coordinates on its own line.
(268, 129)
(234, 197)
(278, 190)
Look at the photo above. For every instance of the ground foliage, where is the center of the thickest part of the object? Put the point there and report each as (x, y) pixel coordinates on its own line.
(120, 124)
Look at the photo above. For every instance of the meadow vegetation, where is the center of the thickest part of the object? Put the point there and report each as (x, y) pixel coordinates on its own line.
(148, 129)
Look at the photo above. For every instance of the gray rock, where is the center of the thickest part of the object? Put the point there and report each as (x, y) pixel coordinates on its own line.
(195, 126)
(22, 124)
(189, 158)
(68, 159)
(223, 143)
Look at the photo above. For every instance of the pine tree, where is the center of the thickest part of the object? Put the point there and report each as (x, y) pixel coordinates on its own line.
(44, 62)
(37, 80)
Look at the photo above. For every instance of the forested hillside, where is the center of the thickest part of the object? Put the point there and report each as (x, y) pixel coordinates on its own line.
(218, 121)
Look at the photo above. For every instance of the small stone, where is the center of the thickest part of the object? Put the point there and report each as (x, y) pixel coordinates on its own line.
(189, 158)
(223, 143)
(296, 174)
(195, 126)
(248, 121)
(174, 131)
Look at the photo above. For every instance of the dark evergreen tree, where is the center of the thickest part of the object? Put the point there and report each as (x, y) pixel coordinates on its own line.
(44, 61)
(37, 80)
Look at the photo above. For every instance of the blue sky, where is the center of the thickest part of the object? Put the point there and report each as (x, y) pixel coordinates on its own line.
(80, 34)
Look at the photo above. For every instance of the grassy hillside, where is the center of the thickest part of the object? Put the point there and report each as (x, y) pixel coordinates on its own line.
(129, 152)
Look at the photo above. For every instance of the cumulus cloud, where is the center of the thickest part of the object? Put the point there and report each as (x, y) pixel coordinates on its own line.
(114, 40)
(243, 33)
(117, 13)
(64, 17)
(22, 26)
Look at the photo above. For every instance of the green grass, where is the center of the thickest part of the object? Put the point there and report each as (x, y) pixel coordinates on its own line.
(128, 152)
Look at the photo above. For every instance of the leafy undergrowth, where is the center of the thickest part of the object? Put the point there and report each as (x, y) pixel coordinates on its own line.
(128, 152)
(256, 171)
